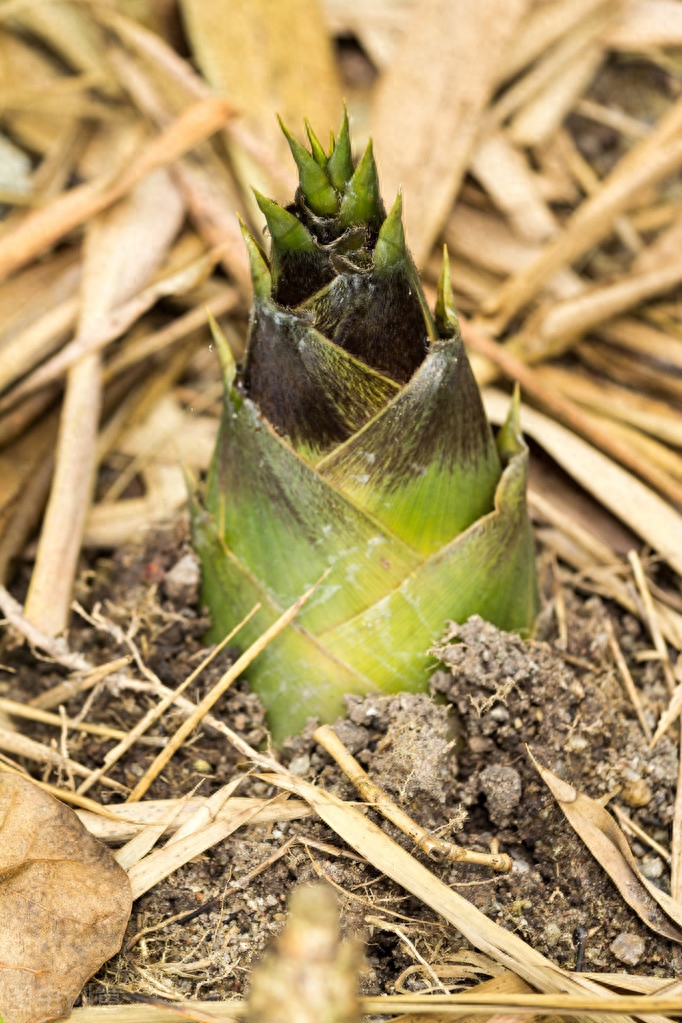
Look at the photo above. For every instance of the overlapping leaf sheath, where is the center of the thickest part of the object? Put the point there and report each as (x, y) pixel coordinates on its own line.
(355, 441)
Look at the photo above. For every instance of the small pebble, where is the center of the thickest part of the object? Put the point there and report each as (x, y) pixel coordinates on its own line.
(652, 866)
(637, 793)
(300, 765)
(552, 934)
(628, 948)
(181, 583)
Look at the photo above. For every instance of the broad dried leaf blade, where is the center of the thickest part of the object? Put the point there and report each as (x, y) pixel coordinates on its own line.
(263, 56)
(609, 846)
(64, 904)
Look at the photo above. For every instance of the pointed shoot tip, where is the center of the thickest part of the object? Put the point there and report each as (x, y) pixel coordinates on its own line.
(228, 366)
(447, 322)
(362, 204)
(260, 273)
(318, 191)
(390, 247)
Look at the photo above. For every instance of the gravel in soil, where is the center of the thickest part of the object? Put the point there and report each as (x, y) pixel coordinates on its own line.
(456, 761)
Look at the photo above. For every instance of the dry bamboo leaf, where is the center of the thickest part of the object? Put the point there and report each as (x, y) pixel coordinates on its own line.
(69, 31)
(145, 840)
(539, 120)
(35, 291)
(65, 904)
(563, 322)
(568, 412)
(169, 434)
(21, 746)
(610, 848)
(175, 80)
(664, 458)
(642, 339)
(38, 341)
(647, 23)
(19, 460)
(489, 241)
(663, 250)
(134, 817)
(207, 187)
(123, 249)
(647, 515)
(113, 323)
(655, 417)
(429, 102)
(630, 370)
(545, 25)
(552, 511)
(266, 56)
(669, 715)
(387, 856)
(162, 862)
(19, 524)
(22, 62)
(568, 69)
(112, 523)
(42, 228)
(650, 161)
(15, 172)
(506, 175)
(207, 811)
(549, 71)
(377, 26)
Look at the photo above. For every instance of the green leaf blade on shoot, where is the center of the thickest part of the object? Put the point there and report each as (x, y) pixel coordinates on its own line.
(488, 570)
(362, 205)
(340, 163)
(294, 676)
(442, 475)
(287, 525)
(316, 148)
(317, 190)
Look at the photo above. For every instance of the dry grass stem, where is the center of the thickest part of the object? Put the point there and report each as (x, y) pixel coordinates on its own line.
(436, 849)
(65, 691)
(125, 820)
(22, 710)
(154, 713)
(652, 620)
(221, 687)
(627, 680)
(634, 828)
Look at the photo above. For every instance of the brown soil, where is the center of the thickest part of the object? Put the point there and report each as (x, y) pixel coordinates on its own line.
(457, 763)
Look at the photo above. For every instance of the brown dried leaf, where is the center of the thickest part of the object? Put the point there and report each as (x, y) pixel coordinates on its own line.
(427, 109)
(609, 846)
(264, 57)
(64, 904)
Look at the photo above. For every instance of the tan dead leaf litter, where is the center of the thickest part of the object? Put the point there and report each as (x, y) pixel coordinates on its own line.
(64, 904)
(542, 139)
(608, 845)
